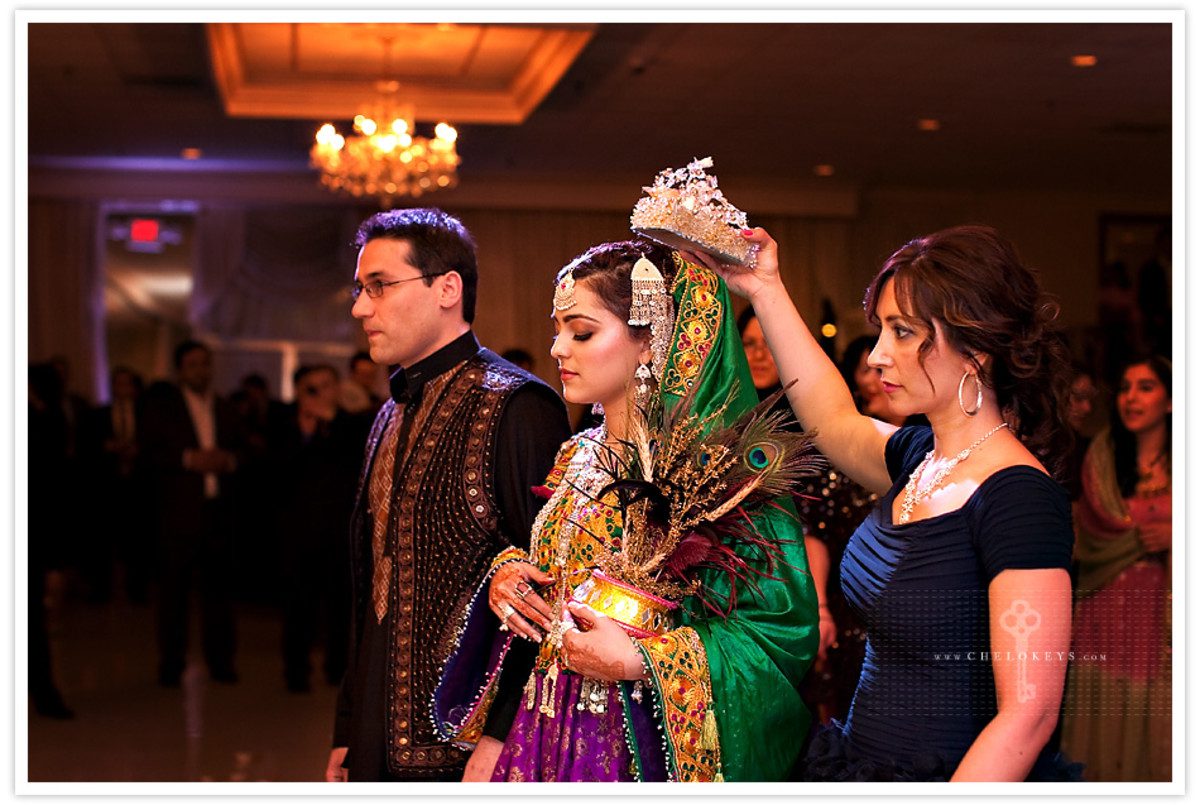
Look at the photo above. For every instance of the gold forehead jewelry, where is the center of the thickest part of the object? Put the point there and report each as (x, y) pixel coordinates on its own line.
(564, 292)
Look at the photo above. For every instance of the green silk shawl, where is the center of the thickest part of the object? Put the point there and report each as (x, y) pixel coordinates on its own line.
(758, 655)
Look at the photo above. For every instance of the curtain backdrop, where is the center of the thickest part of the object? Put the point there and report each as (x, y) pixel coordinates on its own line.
(66, 302)
(279, 273)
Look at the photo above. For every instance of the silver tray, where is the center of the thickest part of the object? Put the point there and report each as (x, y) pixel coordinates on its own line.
(675, 240)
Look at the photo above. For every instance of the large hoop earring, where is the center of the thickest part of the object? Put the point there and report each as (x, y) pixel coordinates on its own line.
(978, 394)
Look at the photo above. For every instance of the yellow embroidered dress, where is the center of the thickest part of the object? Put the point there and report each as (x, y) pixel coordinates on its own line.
(723, 700)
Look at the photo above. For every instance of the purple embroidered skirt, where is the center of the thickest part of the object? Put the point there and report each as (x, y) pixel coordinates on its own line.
(577, 745)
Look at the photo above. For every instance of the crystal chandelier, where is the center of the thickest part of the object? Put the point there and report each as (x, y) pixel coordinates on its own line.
(385, 158)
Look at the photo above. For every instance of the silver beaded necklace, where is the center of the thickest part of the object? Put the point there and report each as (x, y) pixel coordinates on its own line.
(913, 495)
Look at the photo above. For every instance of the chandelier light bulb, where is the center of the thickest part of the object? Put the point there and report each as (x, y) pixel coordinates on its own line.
(400, 125)
(445, 131)
(365, 125)
(386, 143)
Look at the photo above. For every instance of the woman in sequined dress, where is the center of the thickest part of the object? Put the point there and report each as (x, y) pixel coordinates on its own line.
(1118, 713)
(567, 695)
(961, 571)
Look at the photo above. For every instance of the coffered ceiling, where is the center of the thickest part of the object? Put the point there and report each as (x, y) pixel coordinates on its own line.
(462, 72)
(620, 101)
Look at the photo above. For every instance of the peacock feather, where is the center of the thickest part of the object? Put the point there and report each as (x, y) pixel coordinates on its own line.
(686, 484)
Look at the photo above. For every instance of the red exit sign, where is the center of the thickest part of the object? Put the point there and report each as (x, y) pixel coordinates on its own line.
(143, 230)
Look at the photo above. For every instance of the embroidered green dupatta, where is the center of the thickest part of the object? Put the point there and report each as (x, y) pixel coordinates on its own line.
(748, 665)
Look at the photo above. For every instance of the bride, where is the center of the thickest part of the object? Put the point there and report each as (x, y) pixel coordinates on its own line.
(547, 688)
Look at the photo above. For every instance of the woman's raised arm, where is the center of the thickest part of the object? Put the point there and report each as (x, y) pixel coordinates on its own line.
(820, 397)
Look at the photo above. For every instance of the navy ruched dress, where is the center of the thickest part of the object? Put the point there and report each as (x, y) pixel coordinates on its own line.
(926, 689)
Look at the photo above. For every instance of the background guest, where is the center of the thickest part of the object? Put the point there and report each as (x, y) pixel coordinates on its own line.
(1080, 410)
(190, 438)
(358, 393)
(1118, 713)
(864, 381)
(255, 576)
(313, 468)
(47, 492)
(121, 493)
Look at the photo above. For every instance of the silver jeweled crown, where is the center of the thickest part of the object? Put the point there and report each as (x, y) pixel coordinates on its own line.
(684, 209)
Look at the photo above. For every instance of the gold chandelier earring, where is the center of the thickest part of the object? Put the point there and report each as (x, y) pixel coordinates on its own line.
(978, 393)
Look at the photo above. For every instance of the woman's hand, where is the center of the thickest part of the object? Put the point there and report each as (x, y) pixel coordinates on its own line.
(598, 648)
(747, 282)
(1155, 537)
(511, 597)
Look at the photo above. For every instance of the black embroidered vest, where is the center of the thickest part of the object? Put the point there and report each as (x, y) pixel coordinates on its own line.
(443, 531)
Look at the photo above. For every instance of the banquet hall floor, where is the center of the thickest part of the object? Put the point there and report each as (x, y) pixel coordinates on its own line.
(127, 729)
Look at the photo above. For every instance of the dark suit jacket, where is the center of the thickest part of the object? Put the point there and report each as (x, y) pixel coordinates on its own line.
(166, 432)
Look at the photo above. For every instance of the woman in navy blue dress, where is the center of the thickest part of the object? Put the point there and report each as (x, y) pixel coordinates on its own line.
(961, 572)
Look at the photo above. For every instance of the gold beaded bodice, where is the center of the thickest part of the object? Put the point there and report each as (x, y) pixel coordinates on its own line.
(573, 530)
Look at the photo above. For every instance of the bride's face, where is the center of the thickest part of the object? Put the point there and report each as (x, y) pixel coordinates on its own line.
(596, 352)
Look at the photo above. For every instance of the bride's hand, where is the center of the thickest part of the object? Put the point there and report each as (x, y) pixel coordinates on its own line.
(598, 648)
(747, 282)
(513, 597)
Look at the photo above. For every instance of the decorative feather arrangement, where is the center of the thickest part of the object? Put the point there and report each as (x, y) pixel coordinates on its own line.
(685, 485)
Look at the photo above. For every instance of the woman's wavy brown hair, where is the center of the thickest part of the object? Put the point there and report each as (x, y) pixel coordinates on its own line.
(972, 282)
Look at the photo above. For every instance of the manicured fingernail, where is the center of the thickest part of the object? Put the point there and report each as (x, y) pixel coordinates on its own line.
(747, 231)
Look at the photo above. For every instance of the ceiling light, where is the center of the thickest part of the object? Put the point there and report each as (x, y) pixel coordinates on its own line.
(386, 158)
(928, 123)
(823, 170)
(191, 153)
(386, 161)
(1083, 60)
